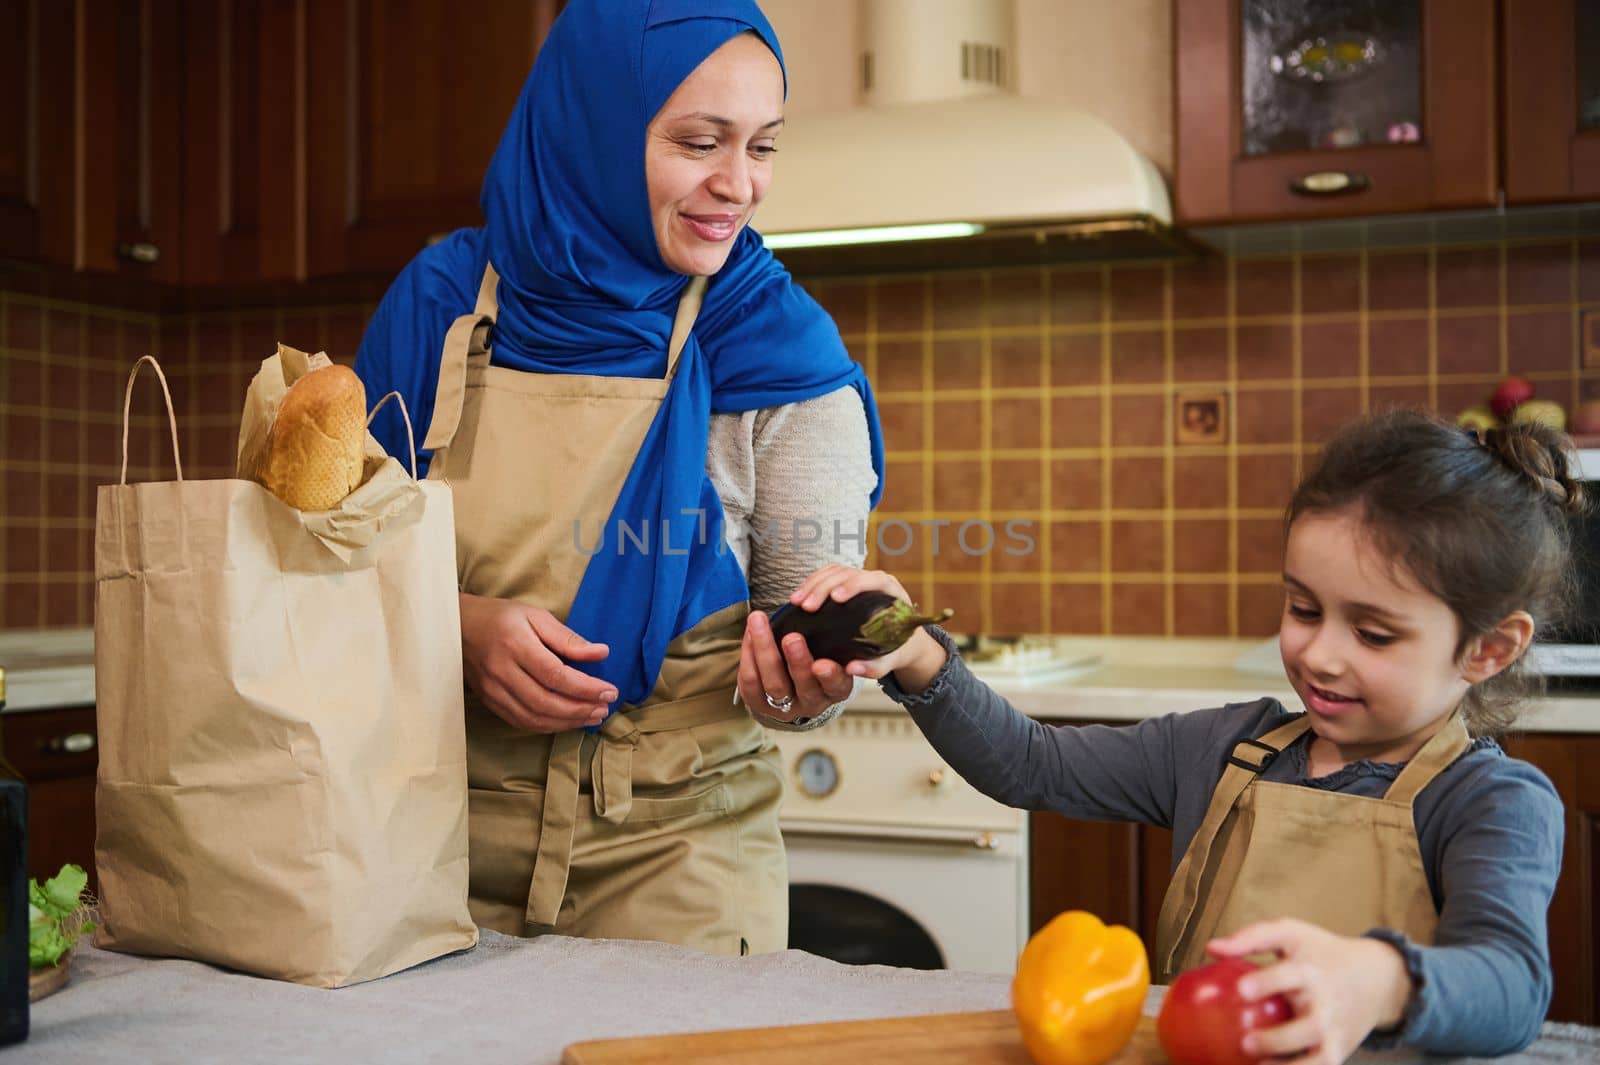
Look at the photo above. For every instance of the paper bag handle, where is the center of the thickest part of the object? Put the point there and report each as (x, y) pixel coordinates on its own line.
(411, 437)
(172, 419)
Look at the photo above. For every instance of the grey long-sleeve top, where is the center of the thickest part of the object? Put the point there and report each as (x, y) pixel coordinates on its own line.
(1490, 829)
(796, 484)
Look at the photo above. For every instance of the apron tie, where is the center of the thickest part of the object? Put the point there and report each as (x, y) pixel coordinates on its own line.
(611, 778)
(611, 768)
(553, 860)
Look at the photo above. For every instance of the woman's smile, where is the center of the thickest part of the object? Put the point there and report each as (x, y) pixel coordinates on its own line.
(712, 227)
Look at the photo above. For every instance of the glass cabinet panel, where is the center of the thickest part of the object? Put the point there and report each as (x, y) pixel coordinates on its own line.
(1320, 74)
(1587, 42)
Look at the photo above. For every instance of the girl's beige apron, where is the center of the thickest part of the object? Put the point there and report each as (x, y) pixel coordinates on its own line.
(663, 826)
(1347, 863)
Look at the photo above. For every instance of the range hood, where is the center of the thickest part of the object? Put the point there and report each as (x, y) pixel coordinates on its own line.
(944, 167)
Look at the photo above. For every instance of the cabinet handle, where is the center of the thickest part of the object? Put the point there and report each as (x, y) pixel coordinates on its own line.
(72, 743)
(1328, 183)
(140, 252)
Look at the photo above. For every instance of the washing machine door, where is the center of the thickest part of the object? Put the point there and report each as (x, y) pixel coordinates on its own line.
(915, 902)
(855, 928)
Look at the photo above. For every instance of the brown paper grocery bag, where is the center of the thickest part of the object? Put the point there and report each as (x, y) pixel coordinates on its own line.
(282, 781)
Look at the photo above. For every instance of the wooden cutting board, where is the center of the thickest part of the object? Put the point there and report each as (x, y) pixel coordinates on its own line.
(988, 1038)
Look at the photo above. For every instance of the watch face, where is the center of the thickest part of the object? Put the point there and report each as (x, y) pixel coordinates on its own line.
(817, 773)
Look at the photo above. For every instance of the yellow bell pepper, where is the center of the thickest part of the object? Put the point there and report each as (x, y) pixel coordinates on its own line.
(1079, 990)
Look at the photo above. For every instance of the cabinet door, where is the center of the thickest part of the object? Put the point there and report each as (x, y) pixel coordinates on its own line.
(130, 65)
(55, 751)
(1552, 100)
(1083, 865)
(89, 176)
(407, 103)
(244, 152)
(36, 136)
(1317, 108)
(1573, 764)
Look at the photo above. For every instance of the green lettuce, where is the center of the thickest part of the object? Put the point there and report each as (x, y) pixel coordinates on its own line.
(58, 913)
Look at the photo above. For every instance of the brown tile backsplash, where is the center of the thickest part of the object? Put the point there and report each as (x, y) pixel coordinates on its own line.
(1037, 396)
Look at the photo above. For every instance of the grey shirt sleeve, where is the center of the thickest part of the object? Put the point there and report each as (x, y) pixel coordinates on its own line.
(796, 485)
(1094, 772)
(1484, 985)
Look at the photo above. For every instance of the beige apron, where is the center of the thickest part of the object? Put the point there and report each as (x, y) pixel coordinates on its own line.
(663, 826)
(1347, 863)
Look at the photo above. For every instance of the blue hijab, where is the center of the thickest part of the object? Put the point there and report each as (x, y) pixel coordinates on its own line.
(583, 289)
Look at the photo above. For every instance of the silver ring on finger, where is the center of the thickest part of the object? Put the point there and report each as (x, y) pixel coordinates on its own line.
(780, 705)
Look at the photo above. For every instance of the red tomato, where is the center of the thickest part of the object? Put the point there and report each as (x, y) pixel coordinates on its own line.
(1203, 1018)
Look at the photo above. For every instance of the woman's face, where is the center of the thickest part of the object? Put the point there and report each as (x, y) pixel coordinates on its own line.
(708, 154)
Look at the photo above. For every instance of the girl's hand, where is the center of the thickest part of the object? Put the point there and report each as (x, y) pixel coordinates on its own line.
(1342, 988)
(914, 664)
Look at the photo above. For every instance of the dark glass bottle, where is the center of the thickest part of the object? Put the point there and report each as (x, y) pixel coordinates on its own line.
(13, 899)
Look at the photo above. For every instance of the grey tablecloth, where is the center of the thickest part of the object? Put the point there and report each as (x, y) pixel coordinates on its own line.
(508, 1000)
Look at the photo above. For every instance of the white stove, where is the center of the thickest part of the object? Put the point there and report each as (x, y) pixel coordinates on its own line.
(1028, 661)
(893, 858)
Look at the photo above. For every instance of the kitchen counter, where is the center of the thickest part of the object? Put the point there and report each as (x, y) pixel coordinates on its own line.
(47, 668)
(512, 1000)
(1123, 679)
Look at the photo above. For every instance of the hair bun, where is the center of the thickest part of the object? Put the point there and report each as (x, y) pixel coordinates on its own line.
(1539, 454)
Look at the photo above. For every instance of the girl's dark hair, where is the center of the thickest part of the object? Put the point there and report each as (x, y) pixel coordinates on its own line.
(1479, 520)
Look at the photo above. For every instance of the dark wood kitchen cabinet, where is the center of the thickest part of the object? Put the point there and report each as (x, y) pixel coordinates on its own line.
(201, 142)
(244, 133)
(56, 753)
(35, 146)
(1552, 100)
(1290, 109)
(406, 105)
(1120, 872)
(89, 174)
(1572, 762)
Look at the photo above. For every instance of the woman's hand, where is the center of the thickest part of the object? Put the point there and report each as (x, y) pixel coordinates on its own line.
(513, 655)
(914, 663)
(1342, 988)
(765, 670)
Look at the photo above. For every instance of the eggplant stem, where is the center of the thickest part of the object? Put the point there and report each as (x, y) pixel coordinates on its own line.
(896, 623)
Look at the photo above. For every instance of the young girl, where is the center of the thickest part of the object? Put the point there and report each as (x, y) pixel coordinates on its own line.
(1382, 846)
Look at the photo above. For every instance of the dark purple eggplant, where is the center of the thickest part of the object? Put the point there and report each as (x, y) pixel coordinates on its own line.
(867, 625)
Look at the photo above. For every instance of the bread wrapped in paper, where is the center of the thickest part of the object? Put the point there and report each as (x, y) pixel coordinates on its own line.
(304, 432)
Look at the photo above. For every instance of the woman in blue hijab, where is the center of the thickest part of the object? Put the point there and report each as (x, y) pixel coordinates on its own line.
(647, 428)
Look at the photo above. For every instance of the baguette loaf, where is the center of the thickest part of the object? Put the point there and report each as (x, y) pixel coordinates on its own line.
(314, 447)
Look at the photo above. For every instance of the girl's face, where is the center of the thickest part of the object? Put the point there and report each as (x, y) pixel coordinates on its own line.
(1370, 652)
(708, 154)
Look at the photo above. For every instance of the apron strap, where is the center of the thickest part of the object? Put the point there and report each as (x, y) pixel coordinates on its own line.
(1248, 759)
(688, 311)
(468, 336)
(1442, 748)
(458, 345)
(611, 777)
(557, 824)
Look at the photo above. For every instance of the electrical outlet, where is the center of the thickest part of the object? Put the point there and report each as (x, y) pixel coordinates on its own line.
(1589, 339)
